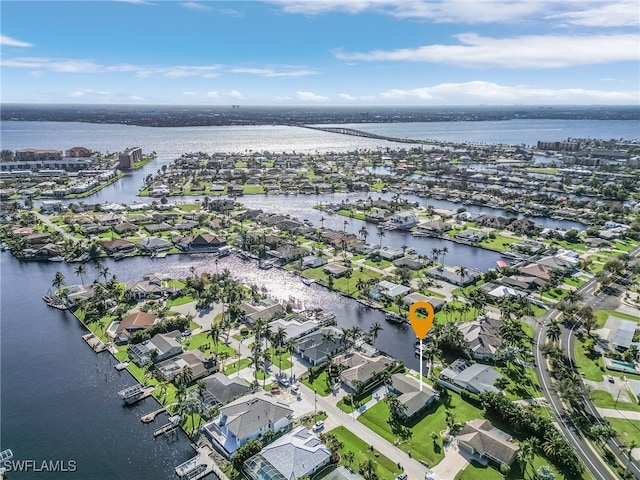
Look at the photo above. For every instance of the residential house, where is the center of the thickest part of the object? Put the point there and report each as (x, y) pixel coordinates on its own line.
(117, 245)
(247, 418)
(455, 275)
(404, 220)
(298, 454)
(414, 399)
(133, 323)
(410, 263)
(288, 253)
(390, 253)
(199, 364)
(343, 473)
(435, 227)
(476, 377)
(220, 390)
(151, 286)
(295, 326)
(483, 337)
(480, 437)
(436, 303)
(336, 270)
(471, 236)
(316, 346)
(492, 222)
(265, 309)
(166, 345)
(389, 290)
(204, 242)
(154, 244)
(359, 370)
(125, 227)
(537, 270)
(311, 261)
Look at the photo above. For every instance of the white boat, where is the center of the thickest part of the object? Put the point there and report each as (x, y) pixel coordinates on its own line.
(57, 258)
(308, 281)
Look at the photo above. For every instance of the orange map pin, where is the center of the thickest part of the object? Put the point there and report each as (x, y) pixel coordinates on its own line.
(421, 325)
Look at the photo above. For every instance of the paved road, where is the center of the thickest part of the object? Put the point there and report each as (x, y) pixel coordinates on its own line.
(583, 449)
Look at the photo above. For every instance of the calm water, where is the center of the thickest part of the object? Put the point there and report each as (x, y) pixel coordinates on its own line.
(59, 399)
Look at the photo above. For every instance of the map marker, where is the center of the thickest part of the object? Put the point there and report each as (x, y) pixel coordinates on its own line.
(421, 326)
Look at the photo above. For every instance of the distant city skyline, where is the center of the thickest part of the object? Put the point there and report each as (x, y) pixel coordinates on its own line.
(327, 52)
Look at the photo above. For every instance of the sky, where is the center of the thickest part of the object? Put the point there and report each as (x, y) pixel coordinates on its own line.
(321, 52)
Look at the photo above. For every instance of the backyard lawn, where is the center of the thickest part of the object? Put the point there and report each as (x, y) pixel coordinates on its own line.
(420, 445)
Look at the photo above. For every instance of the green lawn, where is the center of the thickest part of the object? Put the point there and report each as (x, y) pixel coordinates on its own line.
(602, 316)
(628, 430)
(498, 244)
(588, 366)
(179, 301)
(235, 366)
(475, 471)
(320, 384)
(387, 468)
(420, 445)
(252, 189)
(603, 399)
(348, 408)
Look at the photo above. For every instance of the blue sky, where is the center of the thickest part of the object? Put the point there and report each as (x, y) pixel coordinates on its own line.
(326, 52)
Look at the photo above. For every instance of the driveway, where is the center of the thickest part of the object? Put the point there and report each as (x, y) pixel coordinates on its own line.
(452, 463)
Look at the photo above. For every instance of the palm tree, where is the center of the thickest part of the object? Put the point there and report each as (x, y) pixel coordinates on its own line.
(463, 273)
(373, 332)
(525, 454)
(266, 359)
(322, 219)
(381, 235)
(80, 271)
(58, 281)
(553, 332)
(278, 340)
(573, 297)
(368, 469)
(214, 333)
(185, 377)
(290, 348)
(435, 252)
(444, 251)
(363, 233)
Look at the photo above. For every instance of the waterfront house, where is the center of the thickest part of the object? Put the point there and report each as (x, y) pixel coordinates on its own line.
(316, 346)
(298, 454)
(454, 276)
(166, 345)
(410, 395)
(108, 219)
(410, 263)
(479, 437)
(537, 270)
(336, 270)
(153, 244)
(295, 326)
(435, 227)
(117, 245)
(492, 222)
(203, 242)
(358, 370)
(390, 253)
(265, 309)
(287, 253)
(311, 261)
(389, 290)
(158, 227)
(220, 390)
(343, 473)
(436, 303)
(563, 261)
(475, 378)
(404, 220)
(149, 287)
(247, 418)
(38, 238)
(483, 337)
(133, 323)
(199, 364)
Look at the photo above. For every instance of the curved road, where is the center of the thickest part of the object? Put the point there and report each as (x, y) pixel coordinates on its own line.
(598, 468)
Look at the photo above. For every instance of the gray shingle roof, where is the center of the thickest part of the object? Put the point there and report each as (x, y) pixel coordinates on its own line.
(248, 414)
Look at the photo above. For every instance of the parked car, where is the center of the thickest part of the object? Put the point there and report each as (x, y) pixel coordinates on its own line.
(284, 382)
(402, 476)
(318, 426)
(610, 378)
(295, 388)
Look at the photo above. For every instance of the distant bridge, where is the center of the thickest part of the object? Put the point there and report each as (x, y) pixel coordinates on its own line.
(360, 133)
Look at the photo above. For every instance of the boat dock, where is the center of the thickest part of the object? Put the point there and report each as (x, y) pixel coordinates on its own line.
(197, 467)
(174, 422)
(55, 302)
(151, 416)
(122, 365)
(95, 343)
(135, 393)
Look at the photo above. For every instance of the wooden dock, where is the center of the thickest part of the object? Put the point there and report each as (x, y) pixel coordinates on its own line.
(174, 422)
(151, 416)
(95, 343)
(121, 366)
(197, 467)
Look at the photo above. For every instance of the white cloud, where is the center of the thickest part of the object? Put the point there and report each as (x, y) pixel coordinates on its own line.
(346, 96)
(532, 51)
(235, 94)
(623, 13)
(212, 94)
(487, 92)
(88, 92)
(268, 72)
(137, 2)
(8, 41)
(88, 66)
(190, 94)
(467, 11)
(310, 96)
(195, 6)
